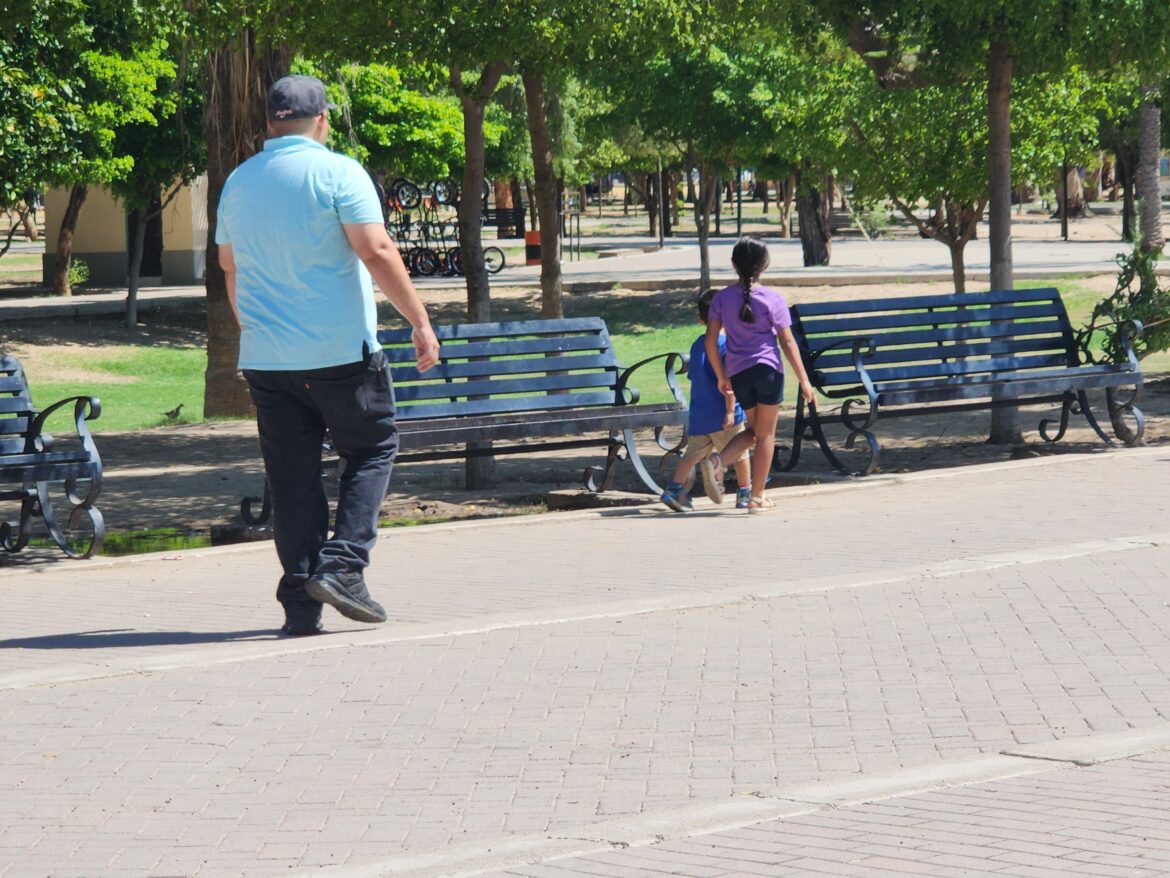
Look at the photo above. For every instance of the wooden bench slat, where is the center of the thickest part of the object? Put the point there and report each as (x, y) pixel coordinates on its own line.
(15, 405)
(519, 366)
(853, 326)
(954, 368)
(489, 406)
(923, 337)
(957, 351)
(14, 383)
(512, 348)
(1016, 388)
(500, 330)
(426, 432)
(528, 386)
(902, 303)
(46, 457)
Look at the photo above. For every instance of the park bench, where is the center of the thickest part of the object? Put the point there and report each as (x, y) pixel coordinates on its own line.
(898, 357)
(524, 386)
(31, 461)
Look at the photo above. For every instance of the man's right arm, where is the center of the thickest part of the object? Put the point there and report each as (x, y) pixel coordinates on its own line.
(380, 255)
(227, 261)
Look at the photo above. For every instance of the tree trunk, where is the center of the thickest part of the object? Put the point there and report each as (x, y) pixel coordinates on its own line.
(707, 185)
(672, 183)
(479, 472)
(551, 291)
(1072, 202)
(137, 246)
(61, 284)
(28, 218)
(1005, 421)
(236, 125)
(812, 212)
(786, 206)
(1149, 143)
(651, 191)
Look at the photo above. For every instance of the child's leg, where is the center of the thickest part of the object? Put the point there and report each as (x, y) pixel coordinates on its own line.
(743, 472)
(764, 428)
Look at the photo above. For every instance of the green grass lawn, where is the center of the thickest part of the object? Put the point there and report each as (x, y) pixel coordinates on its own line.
(137, 385)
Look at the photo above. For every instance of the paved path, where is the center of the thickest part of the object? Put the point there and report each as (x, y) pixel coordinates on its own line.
(954, 670)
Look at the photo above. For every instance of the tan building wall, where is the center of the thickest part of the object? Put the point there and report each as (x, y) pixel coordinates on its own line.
(101, 236)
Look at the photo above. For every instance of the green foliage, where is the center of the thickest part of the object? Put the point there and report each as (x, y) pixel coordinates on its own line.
(387, 125)
(1139, 296)
(71, 76)
(78, 273)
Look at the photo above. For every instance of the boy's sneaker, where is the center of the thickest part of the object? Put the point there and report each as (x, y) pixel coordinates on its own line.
(743, 497)
(713, 469)
(675, 496)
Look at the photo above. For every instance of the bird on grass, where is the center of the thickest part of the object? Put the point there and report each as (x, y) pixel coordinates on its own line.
(173, 414)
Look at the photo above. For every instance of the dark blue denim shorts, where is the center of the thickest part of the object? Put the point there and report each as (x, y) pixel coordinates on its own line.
(760, 384)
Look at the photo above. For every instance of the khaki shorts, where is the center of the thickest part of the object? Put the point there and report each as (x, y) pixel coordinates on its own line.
(697, 445)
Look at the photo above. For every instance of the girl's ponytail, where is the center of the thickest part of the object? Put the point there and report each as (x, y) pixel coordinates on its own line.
(750, 259)
(745, 313)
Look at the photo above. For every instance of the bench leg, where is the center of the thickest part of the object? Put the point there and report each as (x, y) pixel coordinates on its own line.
(639, 467)
(800, 432)
(23, 526)
(96, 523)
(1083, 405)
(265, 502)
(812, 424)
(616, 451)
(1066, 408)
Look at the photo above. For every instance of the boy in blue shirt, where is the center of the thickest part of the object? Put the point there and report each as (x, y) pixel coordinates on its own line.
(715, 418)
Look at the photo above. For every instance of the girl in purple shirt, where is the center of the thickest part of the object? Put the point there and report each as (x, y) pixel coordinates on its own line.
(754, 318)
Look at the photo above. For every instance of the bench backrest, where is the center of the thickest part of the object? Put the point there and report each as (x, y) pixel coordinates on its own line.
(494, 368)
(930, 337)
(16, 408)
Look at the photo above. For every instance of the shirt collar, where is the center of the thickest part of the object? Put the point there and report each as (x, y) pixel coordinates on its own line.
(289, 141)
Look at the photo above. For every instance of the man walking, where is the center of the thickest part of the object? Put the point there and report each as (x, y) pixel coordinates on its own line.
(300, 232)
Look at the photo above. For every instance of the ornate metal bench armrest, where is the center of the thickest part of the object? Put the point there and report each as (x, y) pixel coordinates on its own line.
(1125, 331)
(856, 345)
(85, 408)
(675, 365)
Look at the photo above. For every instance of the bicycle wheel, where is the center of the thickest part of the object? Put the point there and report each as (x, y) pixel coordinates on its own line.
(493, 259)
(446, 191)
(455, 260)
(426, 261)
(407, 193)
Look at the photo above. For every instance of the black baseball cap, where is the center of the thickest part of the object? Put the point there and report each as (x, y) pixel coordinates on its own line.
(297, 97)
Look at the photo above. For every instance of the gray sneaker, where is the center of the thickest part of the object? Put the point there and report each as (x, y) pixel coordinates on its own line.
(346, 593)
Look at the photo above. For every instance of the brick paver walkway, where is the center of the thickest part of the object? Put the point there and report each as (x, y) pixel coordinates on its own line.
(552, 685)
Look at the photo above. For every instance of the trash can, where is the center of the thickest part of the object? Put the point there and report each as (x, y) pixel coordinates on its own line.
(532, 247)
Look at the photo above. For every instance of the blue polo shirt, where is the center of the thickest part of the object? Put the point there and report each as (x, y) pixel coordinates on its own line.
(707, 409)
(305, 299)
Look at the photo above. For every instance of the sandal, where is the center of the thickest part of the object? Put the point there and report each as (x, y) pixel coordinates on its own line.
(759, 505)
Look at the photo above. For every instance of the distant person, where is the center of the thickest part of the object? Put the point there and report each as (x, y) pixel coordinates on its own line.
(300, 231)
(714, 419)
(758, 326)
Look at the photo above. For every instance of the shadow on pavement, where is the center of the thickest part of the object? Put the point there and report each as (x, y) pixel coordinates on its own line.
(129, 637)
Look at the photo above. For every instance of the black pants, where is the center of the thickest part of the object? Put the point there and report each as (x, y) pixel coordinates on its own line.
(355, 402)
